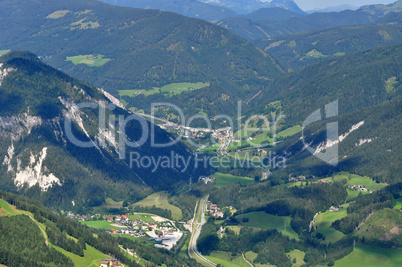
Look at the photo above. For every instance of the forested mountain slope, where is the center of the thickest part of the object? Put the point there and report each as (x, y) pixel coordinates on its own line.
(124, 48)
(299, 50)
(39, 153)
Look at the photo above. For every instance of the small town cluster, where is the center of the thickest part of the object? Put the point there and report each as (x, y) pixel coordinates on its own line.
(361, 188)
(214, 210)
(110, 262)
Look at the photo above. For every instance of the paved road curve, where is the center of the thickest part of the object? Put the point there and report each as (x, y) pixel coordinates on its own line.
(196, 231)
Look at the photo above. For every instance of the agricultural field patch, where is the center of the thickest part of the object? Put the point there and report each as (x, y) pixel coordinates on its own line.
(3, 52)
(58, 14)
(82, 24)
(384, 225)
(390, 85)
(398, 205)
(290, 131)
(169, 89)
(298, 255)
(101, 224)
(160, 200)
(222, 180)
(225, 259)
(267, 221)
(147, 218)
(369, 257)
(324, 221)
(89, 60)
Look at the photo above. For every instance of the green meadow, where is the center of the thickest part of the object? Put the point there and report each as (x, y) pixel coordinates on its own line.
(251, 256)
(383, 224)
(160, 200)
(267, 221)
(298, 255)
(225, 259)
(290, 131)
(92, 257)
(369, 257)
(90, 60)
(398, 204)
(222, 179)
(353, 179)
(324, 221)
(101, 224)
(3, 52)
(170, 89)
(147, 218)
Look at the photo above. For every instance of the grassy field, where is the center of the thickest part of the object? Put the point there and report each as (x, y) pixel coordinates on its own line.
(390, 85)
(398, 204)
(298, 255)
(144, 217)
(3, 52)
(251, 256)
(160, 200)
(81, 25)
(225, 259)
(90, 60)
(290, 131)
(324, 221)
(369, 257)
(353, 179)
(170, 89)
(92, 257)
(264, 220)
(315, 54)
(222, 179)
(58, 14)
(383, 224)
(101, 224)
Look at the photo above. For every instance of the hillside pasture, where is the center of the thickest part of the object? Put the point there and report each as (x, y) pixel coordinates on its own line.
(222, 180)
(147, 218)
(398, 205)
(267, 221)
(225, 259)
(3, 52)
(101, 224)
(169, 89)
(89, 60)
(290, 131)
(369, 257)
(298, 255)
(160, 200)
(324, 221)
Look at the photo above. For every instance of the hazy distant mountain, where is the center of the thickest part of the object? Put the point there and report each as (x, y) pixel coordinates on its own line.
(253, 27)
(247, 6)
(189, 8)
(272, 14)
(333, 9)
(268, 29)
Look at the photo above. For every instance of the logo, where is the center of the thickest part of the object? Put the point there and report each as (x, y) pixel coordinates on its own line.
(331, 146)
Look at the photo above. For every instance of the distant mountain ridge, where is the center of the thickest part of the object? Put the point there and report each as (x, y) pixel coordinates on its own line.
(247, 6)
(189, 8)
(253, 28)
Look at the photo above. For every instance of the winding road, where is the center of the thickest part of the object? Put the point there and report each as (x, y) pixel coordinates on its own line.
(196, 231)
